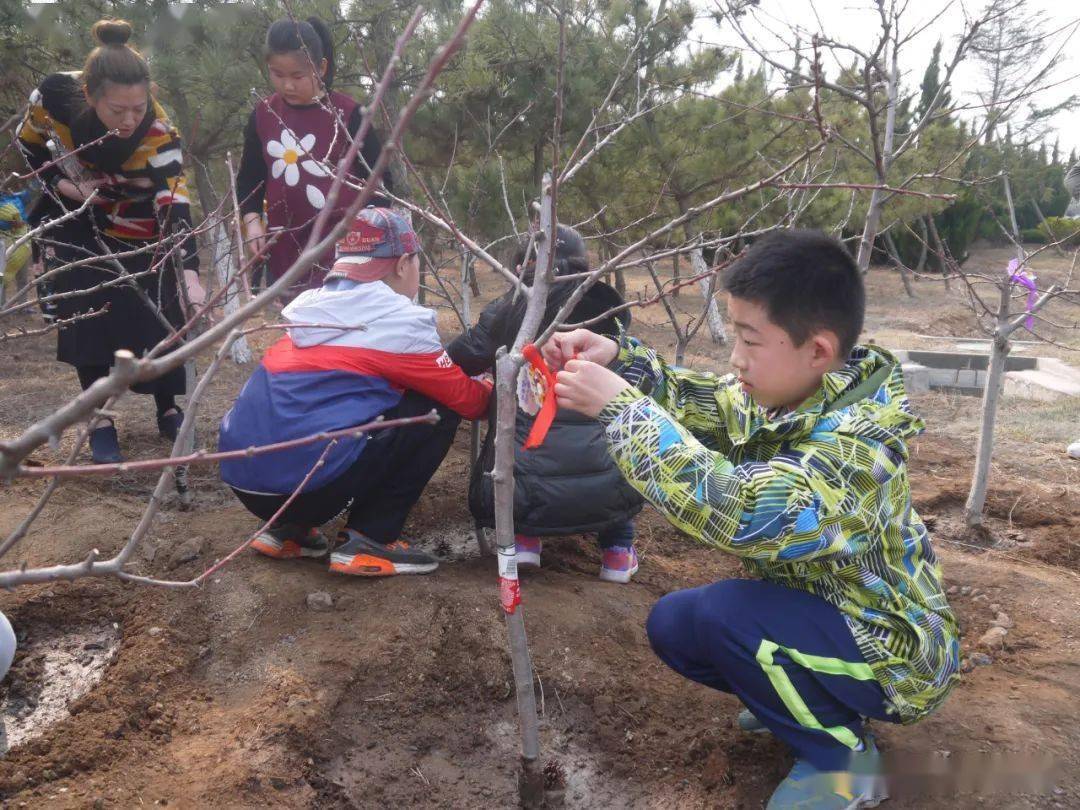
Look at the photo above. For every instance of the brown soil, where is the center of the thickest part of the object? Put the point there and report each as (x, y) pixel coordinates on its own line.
(238, 695)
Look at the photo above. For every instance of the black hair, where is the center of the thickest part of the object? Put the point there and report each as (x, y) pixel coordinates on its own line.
(113, 60)
(806, 281)
(571, 256)
(311, 35)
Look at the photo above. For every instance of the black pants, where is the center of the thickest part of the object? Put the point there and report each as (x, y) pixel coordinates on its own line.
(382, 485)
(131, 319)
(163, 398)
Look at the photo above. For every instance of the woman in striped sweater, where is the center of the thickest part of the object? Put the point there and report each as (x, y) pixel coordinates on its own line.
(101, 132)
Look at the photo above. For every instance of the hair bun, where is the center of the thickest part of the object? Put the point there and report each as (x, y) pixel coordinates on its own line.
(112, 32)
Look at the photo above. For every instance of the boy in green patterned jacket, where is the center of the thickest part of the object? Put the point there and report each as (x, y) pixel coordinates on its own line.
(797, 464)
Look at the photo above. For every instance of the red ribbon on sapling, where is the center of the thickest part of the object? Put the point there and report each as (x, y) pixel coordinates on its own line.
(550, 406)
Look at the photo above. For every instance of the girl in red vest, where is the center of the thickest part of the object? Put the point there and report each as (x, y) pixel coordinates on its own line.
(293, 143)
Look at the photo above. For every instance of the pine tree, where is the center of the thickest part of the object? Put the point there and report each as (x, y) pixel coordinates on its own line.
(931, 85)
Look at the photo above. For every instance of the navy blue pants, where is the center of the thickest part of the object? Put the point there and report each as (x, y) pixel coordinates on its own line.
(382, 485)
(617, 534)
(786, 654)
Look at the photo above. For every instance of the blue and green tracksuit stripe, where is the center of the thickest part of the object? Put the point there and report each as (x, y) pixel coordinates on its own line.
(816, 500)
(786, 654)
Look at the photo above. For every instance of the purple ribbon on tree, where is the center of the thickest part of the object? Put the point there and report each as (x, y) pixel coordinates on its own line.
(1018, 276)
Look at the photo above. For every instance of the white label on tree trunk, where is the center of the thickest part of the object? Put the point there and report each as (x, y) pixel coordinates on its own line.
(508, 563)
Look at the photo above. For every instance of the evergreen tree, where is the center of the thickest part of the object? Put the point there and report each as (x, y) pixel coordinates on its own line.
(931, 86)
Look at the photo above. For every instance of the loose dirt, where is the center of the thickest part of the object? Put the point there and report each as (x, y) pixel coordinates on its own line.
(238, 695)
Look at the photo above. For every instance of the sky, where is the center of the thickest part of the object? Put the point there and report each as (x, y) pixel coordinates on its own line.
(857, 22)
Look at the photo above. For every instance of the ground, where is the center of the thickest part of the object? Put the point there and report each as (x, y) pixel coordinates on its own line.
(239, 695)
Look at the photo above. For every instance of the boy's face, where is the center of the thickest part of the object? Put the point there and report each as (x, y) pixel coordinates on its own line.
(772, 369)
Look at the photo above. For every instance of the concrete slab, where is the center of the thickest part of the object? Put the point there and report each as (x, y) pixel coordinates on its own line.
(1052, 380)
(916, 378)
(1043, 378)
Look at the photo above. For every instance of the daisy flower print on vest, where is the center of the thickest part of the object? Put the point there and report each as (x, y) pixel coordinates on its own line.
(292, 155)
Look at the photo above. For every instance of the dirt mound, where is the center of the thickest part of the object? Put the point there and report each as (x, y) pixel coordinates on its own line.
(238, 695)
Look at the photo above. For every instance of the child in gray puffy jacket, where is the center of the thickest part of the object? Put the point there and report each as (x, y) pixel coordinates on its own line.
(568, 485)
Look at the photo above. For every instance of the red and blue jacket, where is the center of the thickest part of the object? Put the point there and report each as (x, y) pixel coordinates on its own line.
(351, 352)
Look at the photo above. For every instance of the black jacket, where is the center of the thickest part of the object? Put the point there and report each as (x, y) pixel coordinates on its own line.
(569, 484)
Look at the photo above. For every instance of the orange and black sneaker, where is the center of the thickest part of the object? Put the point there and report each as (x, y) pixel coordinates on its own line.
(360, 556)
(289, 542)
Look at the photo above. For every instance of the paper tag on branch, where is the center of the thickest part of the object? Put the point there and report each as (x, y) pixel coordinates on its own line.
(531, 390)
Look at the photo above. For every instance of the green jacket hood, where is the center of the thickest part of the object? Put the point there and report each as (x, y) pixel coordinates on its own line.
(865, 398)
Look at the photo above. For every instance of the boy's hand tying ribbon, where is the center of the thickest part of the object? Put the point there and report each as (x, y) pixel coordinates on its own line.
(586, 386)
(579, 344)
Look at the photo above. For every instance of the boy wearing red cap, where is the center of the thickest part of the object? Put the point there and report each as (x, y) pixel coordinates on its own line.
(357, 348)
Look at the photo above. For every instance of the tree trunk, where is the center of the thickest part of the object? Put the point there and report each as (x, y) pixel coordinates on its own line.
(538, 163)
(620, 282)
(939, 246)
(924, 248)
(870, 229)
(429, 240)
(207, 198)
(225, 269)
(905, 274)
(531, 780)
(1012, 218)
(676, 274)
(466, 287)
(383, 38)
(3, 281)
(605, 252)
(708, 286)
(877, 201)
(681, 343)
(995, 374)
(1049, 232)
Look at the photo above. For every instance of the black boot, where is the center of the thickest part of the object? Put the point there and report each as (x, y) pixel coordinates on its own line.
(105, 445)
(169, 424)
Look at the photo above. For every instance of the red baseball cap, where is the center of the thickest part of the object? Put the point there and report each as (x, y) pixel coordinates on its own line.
(371, 247)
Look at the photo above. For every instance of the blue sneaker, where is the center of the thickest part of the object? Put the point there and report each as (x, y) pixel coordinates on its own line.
(749, 723)
(807, 788)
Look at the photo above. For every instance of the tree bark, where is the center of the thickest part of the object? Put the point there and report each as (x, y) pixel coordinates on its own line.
(939, 246)
(531, 782)
(466, 288)
(877, 201)
(707, 287)
(1049, 232)
(995, 373)
(905, 273)
(924, 248)
(225, 270)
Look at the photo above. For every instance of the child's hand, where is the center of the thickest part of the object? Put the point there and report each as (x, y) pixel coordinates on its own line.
(196, 295)
(78, 191)
(587, 387)
(582, 344)
(254, 233)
